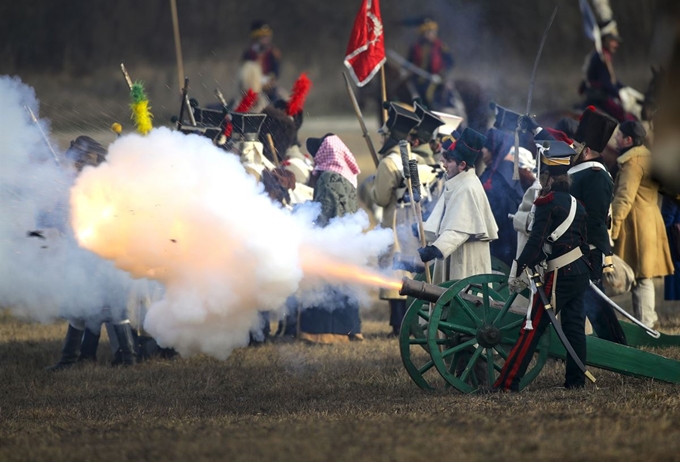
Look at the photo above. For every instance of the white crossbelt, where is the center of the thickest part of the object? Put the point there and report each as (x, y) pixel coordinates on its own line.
(564, 260)
(564, 226)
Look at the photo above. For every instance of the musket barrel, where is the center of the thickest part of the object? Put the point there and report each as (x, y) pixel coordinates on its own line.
(421, 290)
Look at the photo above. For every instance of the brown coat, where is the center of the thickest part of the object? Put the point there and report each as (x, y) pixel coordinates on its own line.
(386, 192)
(637, 226)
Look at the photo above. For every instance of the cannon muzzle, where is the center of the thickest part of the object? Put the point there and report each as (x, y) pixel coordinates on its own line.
(421, 290)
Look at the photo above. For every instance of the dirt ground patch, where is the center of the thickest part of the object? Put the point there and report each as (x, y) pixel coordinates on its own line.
(293, 401)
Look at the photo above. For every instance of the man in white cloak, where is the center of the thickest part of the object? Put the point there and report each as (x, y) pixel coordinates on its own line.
(461, 225)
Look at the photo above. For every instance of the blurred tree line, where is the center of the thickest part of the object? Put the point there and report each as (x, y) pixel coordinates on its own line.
(79, 36)
(70, 50)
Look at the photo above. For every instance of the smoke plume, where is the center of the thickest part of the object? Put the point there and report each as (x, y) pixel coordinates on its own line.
(47, 274)
(177, 209)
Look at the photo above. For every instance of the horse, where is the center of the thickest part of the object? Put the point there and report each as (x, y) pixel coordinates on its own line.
(644, 105)
(461, 97)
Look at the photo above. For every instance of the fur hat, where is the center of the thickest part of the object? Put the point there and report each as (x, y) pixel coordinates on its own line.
(594, 129)
(282, 129)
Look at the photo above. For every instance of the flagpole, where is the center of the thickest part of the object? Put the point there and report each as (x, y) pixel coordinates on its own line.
(178, 43)
(360, 118)
(383, 88)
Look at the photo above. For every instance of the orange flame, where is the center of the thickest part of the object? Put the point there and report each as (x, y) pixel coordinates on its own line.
(342, 272)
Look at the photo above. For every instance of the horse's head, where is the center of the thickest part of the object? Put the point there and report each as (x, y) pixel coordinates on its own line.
(650, 104)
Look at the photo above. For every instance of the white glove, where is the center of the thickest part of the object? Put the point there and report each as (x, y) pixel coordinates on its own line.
(516, 283)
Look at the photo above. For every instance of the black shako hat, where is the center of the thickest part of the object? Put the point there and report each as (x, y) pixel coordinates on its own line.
(595, 129)
(468, 147)
(400, 122)
(429, 122)
(557, 157)
(247, 124)
(506, 119)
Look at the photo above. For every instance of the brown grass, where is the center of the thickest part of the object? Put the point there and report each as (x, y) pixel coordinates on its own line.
(292, 401)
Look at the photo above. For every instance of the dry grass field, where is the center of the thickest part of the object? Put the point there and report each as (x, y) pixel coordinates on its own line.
(294, 401)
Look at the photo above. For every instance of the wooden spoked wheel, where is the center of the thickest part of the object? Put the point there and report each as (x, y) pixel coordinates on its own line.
(414, 348)
(478, 331)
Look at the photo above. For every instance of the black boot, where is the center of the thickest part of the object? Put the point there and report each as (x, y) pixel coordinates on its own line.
(69, 354)
(126, 340)
(397, 313)
(88, 349)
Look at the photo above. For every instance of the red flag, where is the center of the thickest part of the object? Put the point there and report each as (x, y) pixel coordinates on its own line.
(366, 48)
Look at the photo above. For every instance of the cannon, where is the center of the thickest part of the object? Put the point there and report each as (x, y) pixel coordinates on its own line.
(458, 333)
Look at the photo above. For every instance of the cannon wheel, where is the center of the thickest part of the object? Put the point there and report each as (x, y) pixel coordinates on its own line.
(413, 339)
(484, 333)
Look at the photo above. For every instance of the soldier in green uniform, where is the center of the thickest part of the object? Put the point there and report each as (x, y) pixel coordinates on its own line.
(558, 242)
(593, 186)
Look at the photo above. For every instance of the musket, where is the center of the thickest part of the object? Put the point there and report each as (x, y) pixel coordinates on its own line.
(532, 82)
(44, 137)
(536, 278)
(410, 170)
(628, 316)
(220, 97)
(357, 111)
(409, 66)
(128, 80)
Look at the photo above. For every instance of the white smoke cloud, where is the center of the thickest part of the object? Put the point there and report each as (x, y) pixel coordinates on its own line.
(179, 210)
(43, 279)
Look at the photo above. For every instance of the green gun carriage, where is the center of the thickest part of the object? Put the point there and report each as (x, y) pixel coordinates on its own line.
(457, 334)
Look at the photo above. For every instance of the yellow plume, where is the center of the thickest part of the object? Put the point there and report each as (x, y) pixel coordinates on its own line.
(142, 117)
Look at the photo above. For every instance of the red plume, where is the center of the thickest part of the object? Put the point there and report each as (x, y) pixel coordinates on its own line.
(297, 99)
(247, 102)
(589, 108)
(228, 128)
(560, 135)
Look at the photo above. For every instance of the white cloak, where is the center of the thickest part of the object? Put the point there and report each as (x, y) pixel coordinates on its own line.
(461, 226)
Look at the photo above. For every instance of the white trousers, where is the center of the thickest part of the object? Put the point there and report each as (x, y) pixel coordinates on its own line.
(643, 302)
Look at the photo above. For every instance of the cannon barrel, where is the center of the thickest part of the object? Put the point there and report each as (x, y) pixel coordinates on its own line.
(421, 290)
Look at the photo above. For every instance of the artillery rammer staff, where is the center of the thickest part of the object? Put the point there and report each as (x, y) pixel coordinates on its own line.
(357, 111)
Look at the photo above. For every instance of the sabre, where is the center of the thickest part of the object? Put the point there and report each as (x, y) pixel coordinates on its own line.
(628, 316)
(49, 145)
(556, 325)
(532, 82)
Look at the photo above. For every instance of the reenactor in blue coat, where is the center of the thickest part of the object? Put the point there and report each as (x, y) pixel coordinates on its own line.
(558, 243)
